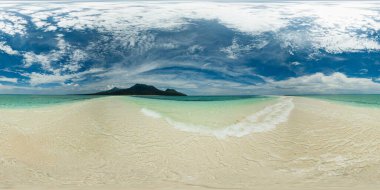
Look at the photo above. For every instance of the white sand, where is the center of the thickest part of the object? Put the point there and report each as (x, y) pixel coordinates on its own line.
(108, 143)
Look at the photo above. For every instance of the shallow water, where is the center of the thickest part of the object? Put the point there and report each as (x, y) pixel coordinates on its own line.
(205, 98)
(217, 116)
(213, 111)
(31, 101)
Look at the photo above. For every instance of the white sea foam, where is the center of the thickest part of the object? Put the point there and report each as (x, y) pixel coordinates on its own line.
(151, 113)
(264, 120)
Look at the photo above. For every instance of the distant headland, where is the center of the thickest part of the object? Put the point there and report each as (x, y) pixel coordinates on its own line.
(140, 89)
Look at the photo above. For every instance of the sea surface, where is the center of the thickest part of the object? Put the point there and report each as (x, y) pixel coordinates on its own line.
(367, 100)
(212, 111)
(205, 98)
(166, 103)
(200, 109)
(32, 101)
(219, 116)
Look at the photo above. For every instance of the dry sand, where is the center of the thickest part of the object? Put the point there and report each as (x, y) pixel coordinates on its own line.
(107, 143)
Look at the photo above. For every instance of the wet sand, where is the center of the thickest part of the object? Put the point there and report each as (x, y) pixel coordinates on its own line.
(108, 143)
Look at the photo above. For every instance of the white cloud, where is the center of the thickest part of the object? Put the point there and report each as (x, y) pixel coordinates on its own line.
(332, 26)
(338, 43)
(75, 58)
(167, 45)
(295, 63)
(335, 27)
(40, 78)
(318, 83)
(235, 49)
(44, 60)
(7, 49)
(47, 60)
(11, 24)
(195, 49)
(6, 79)
(321, 83)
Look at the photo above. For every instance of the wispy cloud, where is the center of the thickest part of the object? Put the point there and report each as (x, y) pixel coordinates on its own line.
(38, 78)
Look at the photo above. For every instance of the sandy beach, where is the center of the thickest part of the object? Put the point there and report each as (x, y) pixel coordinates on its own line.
(109, 143)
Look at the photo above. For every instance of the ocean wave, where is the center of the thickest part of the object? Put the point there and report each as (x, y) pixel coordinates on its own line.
(264, 120)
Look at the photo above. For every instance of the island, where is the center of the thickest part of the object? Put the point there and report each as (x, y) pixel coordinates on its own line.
(140, 89)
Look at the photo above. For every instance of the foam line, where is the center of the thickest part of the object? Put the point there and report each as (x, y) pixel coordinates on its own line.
(150, 113)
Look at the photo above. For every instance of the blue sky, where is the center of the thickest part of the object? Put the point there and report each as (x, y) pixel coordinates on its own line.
(197, 47)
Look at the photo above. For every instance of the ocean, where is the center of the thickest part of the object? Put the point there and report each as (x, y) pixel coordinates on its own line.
(366, 100)
(32, 101)
(218, 116)
(166, 103)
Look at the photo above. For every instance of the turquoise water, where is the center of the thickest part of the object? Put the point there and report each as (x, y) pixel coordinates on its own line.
(204, 98)
(219, 116)
(167, 104)
(26, 101)
(213, 111)
(368, 100)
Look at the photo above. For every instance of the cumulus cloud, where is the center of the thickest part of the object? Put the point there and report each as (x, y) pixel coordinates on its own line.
(323, 84)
